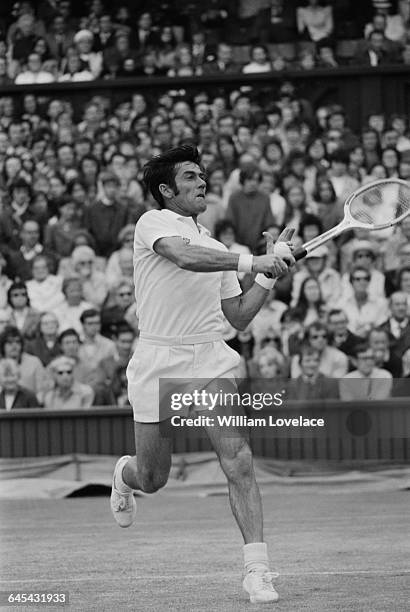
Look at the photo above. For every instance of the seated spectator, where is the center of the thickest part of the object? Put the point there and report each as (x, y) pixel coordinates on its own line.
(362, 310)
(70, 345)
(45, 344)
(34, 73)
(306, 60)
(116, 312)
(94, 285)
(33, 375)
(364, 255)
(333, 363)
(20, 312)
(111, 367)
(269, 373)
(17, 213)
(59, 236)
(375, 52)
(343, 183)
(311, 383)
(267, 320)
(166, 47)
(401, 236)
(316, 267)
(223, 63)
(249, 208)
(44, 289)
(94, 347)
(367, 382)
(339, 335)
(260, 61)
(67, 393)
(59, 37)
(12, 394)
(397, 324)
(5, 282)
(75, 71)
(115, 57)
(295, 208)
(314, 21)
(325, 53)
(114, 270)
(69, 313)
(107, 216)
(183, 63)
(309, 306)
(225, 233)
(392, 26)
(91, 60)
(275, 22)
(403, 284)
(378, 341)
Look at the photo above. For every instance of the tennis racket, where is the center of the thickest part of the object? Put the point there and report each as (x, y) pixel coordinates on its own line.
(374, 206)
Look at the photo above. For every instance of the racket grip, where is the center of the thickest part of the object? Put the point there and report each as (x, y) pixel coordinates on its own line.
(299, 253)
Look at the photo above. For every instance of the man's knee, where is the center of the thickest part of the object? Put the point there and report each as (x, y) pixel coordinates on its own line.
(151, 481)
(238, 466)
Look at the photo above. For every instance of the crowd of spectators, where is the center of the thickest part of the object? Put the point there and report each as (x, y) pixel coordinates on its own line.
(71, 192)
(54, 41)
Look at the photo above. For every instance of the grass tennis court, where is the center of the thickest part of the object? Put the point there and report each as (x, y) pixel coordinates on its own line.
(336, 548)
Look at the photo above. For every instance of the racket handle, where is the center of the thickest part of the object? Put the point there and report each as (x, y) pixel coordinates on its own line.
(299, 253)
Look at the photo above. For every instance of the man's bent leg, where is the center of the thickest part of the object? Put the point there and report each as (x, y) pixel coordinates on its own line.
(149, 469)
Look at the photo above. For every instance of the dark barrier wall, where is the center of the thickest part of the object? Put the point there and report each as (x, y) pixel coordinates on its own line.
(361, 90)
(353, 431)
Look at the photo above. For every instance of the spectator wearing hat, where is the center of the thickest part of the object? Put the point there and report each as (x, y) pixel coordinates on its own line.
(315, 266)
(106, 217)
(364, 254)
(45, 344)
(67, 393)
(362, 310)
(94, 284)
(21, 314)
(91, 60)
(33, 375)
(12, 394)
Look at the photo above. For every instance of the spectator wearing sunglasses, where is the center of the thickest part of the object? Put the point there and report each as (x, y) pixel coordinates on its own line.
(364, 254)
(66, 394)
(363, 311)
(332, 362)
(117, 310)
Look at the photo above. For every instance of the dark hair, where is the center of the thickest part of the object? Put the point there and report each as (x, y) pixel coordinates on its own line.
(88, 314)
(307, 350)
(10, 333)
(222, 226)
(361, 347)
(336, 311)
(162, 169)
(315, 326)
(123, 328)
(67, 333)
(248, 172)
(400, 274)
(309, 219)
(319, 182)
(302, 304)
(18, 284)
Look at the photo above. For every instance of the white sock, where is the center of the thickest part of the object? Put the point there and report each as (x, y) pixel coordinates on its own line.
(255, 557)
(120, 484)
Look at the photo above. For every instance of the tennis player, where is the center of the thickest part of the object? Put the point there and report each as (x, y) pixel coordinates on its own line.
(184, 280)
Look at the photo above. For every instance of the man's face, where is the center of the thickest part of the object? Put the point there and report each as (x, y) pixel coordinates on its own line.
(190, 189)
(338, 324)
(360, 282)
(376, 42)
(398, 307)
(13, 348)
(20, 195)
(405, 282)
(70, 346)
(40, 270)
(378, 342)
(15, 134)
(226, 126)
(251, 184)
(92, 326)
(124, 342)
(30, 234)
(64, 376)
(318, 339)
(310, 364)
(365, 362)
(9, 381)
(124, 296)
(49, 324)
(363, 258)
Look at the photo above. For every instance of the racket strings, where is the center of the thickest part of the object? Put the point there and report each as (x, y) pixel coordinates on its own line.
(381, 204)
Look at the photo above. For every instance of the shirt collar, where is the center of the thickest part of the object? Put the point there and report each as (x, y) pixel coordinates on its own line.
(187, 220)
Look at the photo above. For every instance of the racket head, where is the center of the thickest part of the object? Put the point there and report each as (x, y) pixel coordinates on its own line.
(378, 205)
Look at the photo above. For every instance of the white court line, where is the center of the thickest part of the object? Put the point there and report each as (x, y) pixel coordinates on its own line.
(206, 576)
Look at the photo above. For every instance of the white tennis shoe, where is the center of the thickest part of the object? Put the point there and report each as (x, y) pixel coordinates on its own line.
(259, 586)
(123, 505)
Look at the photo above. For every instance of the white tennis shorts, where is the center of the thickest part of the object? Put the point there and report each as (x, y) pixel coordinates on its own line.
(190, 358)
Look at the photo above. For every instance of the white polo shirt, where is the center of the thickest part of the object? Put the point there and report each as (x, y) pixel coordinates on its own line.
(172, 301)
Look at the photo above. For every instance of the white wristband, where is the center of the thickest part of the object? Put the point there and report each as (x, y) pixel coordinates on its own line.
(245, 263)
(265, 282)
